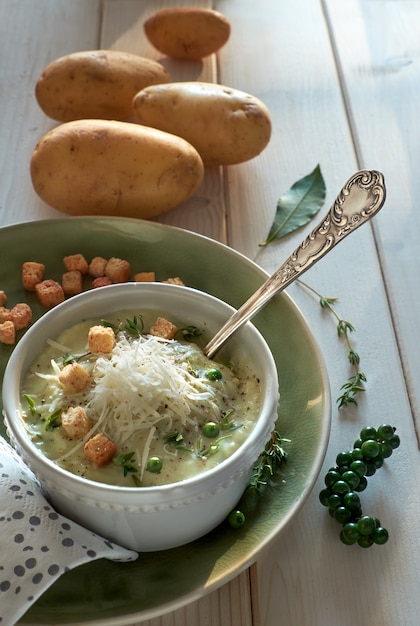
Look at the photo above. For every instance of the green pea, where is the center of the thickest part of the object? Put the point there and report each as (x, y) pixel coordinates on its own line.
(366, 525)
(351, 479)
(380, 535)
(340, 487)
(331, 477)
(351, 500)
(154, 464)
(344, 458)
(236, 519)
(342, 515)
(214, 374)
(211, 430)
(369, 432)
(370, 448)
(358, 467)
(385, 432)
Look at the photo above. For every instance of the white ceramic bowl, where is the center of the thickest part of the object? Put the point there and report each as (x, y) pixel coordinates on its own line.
(149, 518)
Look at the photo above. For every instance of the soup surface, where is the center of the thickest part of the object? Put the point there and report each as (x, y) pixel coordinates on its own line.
(149, 411)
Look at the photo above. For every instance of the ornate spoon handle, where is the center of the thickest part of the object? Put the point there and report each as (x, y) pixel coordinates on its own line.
(360, 199)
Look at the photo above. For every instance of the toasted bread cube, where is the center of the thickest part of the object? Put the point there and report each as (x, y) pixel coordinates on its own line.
(21, 315)
(174, 281)
(76, 422)
(4, 314)
(74, 378)
(72, 282)
(7, 333)
(97, 267)
(49, 293)
(101, 339)
(32, 274)
(99, 450)
(118, 270)
(163, 328)
(145, 277)
(101, 281)
(3, 298)
(76, 262)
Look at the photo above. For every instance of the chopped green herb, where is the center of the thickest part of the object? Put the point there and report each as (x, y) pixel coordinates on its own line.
(126, 461)
(190, 332)
(52, 422)
(30, 402)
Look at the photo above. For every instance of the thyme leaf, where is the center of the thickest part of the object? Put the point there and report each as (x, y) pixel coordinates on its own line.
(272, 457)
(355, 382)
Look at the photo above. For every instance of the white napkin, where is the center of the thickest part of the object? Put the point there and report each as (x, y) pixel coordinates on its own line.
(37, 545)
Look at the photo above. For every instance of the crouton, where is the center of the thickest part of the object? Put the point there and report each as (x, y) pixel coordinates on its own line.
(163, 328)
(49, 293)
(7, 333)
(101, 281)
(145, 277)
(76, 262)
(72, 282)
(73, 378)
(4, 314)
(101, 339)
(76, 422)
(174, 281)
(118, 270)
(3, 298)
(97, 267)
(20, 315)
(32, 274)
(99, 450)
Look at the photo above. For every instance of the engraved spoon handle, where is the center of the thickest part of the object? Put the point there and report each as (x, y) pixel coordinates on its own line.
(361, 198)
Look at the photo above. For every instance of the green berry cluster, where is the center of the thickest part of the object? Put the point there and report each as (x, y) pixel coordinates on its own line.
(348, 478)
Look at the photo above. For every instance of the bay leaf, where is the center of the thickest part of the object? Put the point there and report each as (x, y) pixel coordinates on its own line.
(298, 205)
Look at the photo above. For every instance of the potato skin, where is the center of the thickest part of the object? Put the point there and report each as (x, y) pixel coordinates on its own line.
(95, 84)
(187, 33)
(100, 167)
(225, 125)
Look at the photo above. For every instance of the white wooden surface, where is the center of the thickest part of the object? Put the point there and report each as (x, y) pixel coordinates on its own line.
(341, 79)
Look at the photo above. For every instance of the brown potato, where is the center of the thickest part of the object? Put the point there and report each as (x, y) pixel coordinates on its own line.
(225, 125)
(95, 84)
(187, 33)
(100, 167)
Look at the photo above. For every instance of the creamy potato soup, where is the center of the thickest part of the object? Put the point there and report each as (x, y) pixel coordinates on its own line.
(134, 404)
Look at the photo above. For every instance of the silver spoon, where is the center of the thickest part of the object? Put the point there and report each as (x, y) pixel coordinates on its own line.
(360, 199)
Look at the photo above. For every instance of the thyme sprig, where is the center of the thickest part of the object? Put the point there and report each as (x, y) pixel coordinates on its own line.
(355, 382)
(272, 457)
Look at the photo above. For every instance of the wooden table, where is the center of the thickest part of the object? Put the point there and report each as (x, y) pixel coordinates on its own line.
(341, 79)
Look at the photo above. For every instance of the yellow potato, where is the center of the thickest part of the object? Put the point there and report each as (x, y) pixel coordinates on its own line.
(225, 125)
(100, 167)
(95, 84)
(187, 33)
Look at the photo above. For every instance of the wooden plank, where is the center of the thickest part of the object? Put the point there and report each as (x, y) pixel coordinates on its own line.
(228, 606)
(123, 29)
(382, 66)
(275, 55)
(71, 26)
(299, 579)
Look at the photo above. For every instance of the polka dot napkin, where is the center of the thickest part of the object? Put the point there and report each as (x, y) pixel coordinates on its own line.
(37, 544)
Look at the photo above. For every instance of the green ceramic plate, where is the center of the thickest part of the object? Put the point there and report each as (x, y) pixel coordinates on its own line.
(103, 592)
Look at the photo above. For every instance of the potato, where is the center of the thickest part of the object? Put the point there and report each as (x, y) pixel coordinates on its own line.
(101, 167)
(95, 84)
(225, 125)
(187, 33)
